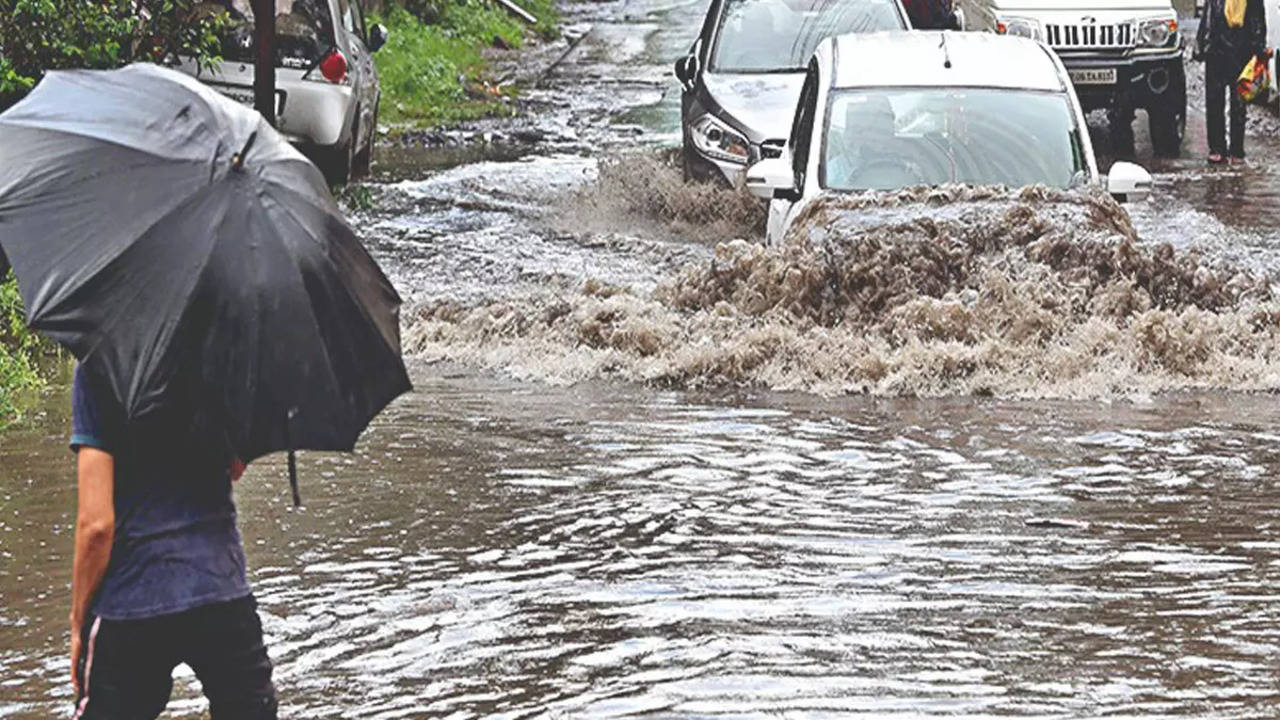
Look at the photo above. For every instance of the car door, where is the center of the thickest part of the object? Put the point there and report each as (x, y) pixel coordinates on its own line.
(798, 145)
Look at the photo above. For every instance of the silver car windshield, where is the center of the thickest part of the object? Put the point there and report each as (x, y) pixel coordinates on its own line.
(781, 35)
(888, 139)
(304, 30)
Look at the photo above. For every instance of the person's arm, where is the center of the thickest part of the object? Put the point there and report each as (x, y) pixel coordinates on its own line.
(95, 531)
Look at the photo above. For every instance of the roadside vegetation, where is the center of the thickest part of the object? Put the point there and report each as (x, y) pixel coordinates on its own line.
(41, 35)
(433, 67)
(37, 36)
(25, 365)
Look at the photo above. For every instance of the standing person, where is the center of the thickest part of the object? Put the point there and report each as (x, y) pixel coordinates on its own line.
(1231, 33)
(159, 569)
(931, 14)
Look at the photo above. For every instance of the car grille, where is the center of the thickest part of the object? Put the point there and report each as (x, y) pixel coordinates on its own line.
(1089, 36)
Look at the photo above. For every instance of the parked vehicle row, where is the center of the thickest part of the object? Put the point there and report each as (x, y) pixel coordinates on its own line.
(327, 90)
(877, 106)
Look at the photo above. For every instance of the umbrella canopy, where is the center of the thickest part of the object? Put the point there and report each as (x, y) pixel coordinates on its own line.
(172, 239)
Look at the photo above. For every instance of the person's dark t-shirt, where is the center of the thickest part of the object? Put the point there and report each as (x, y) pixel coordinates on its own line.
(176, 543)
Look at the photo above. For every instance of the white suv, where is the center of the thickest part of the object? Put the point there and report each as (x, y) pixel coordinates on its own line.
(1123, 55)
(906, 109)
(327, 90)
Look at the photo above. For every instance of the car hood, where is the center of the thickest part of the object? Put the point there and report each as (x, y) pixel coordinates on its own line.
(1035, 6)
(763, 104)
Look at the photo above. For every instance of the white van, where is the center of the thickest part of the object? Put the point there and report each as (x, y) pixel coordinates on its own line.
(1122, 55)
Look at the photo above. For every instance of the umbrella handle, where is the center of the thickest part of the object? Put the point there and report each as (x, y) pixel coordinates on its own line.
(288, 441)
(293, 479)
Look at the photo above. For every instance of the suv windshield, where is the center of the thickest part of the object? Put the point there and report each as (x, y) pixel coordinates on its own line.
(304, 30)
(888, 139)
(781, 35)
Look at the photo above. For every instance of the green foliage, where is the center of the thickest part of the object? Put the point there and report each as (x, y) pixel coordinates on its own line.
(355, 197)
(19, 353)
(41, 35)
(431, 70)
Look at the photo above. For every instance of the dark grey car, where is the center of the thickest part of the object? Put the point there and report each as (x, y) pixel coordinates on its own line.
(742, 77)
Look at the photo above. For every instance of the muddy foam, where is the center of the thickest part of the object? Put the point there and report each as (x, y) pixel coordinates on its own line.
(952, 291)
(647, 192)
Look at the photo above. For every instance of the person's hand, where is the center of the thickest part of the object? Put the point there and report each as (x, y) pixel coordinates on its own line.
(77, 648)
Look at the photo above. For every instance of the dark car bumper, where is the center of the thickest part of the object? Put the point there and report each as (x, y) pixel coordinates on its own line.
(1142, 81)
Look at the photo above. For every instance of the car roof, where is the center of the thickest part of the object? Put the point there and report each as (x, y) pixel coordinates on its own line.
(943, 59)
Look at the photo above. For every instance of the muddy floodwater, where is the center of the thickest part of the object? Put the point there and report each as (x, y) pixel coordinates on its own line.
(610, 496)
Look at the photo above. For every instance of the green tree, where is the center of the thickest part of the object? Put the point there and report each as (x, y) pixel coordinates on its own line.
(41, 35)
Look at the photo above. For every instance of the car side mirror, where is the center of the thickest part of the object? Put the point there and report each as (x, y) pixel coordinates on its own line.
(687, 70)
(378, 35)
(772, 178)
(1128, 183)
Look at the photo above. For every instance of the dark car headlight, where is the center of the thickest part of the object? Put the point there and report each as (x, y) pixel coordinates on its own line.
(715, 139)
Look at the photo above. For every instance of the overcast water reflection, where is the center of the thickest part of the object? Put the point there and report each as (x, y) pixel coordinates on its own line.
(502, 550)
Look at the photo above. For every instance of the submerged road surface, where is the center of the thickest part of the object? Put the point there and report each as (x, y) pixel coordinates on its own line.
(504, 546)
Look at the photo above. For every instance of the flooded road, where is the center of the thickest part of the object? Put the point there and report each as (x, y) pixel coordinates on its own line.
(505, 543)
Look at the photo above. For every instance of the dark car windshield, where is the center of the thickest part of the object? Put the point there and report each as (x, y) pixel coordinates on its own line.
(886, 139)
(304, 30)
(781, 35)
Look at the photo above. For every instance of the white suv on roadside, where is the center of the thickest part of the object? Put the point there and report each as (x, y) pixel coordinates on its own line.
(1123, 55)
(905, 109)
(327, 91)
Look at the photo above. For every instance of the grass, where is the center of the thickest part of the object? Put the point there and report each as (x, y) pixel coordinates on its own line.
(21, 373)
(433, 74)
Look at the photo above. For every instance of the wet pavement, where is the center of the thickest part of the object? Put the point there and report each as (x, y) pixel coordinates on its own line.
(502, 546)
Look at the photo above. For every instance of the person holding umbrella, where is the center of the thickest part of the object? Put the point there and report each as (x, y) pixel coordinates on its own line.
(221, 309)
(1231, 33)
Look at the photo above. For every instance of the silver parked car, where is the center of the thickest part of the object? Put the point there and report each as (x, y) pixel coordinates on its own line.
(743, 74)
(327, 89)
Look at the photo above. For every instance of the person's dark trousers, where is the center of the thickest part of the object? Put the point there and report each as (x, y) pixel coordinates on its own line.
(127, 668)
(1220, 80)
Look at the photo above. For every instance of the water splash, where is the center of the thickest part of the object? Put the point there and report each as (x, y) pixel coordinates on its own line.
(951, 291)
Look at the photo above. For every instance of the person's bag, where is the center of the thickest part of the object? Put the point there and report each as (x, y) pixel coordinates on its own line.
(1254, 83)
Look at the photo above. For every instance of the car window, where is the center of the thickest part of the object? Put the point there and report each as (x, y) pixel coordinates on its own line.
(802, 127)
(888, 138)
(304, 30)
(781, 35)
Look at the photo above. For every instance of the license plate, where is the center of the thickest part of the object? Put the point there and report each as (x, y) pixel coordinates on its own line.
(245, 97)
(1103, 76)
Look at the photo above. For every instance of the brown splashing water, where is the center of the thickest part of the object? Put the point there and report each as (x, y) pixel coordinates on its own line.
(951, 291)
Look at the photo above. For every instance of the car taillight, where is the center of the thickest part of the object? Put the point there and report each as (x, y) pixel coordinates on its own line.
(334, 67)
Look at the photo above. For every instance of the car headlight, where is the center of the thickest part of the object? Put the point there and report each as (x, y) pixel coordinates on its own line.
(1021, 27)
(1158, 32)
(715, 139)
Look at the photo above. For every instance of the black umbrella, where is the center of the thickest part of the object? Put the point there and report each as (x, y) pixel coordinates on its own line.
(170, 238)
